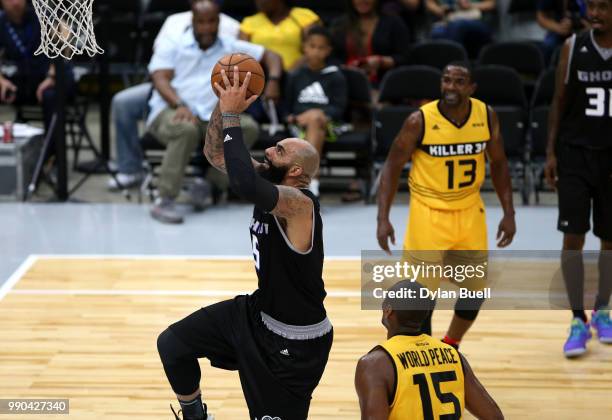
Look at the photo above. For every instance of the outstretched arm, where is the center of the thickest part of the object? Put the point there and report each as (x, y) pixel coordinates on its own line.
(500, 175)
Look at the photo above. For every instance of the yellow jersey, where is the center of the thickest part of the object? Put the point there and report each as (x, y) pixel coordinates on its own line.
(285, 38)
(448, 167)
(429, 378)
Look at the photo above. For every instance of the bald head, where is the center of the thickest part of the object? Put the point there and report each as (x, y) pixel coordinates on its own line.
(305, 155)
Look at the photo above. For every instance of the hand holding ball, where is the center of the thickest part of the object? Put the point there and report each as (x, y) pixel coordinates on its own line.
(245, 64)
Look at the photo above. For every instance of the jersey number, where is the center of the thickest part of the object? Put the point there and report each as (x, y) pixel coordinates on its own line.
(470, 172)
(597, 102)
(255, 244)
(444, 397)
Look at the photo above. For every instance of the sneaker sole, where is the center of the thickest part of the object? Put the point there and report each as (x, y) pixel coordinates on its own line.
(574, 353)
(165, 220)
(605, 340)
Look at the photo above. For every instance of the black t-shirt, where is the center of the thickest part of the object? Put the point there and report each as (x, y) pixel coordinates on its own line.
(325, 89)
(587, 119)
(290, 288)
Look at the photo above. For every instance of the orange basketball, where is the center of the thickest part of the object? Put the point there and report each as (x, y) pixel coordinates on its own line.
(245, 64)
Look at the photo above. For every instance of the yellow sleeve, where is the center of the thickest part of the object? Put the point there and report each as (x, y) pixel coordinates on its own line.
(249, 24)
(304, 16)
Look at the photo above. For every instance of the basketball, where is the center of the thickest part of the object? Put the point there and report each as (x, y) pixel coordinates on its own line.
(245, 64)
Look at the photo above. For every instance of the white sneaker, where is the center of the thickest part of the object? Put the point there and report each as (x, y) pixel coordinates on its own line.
(126, 181)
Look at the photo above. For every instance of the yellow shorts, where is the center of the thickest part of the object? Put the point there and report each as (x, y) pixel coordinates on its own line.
(433, 229)
(447, 237)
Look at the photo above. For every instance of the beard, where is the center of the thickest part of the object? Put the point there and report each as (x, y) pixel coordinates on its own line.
(274, 174)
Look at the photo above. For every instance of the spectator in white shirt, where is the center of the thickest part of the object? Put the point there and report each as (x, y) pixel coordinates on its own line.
(130, 105)
(183, 99)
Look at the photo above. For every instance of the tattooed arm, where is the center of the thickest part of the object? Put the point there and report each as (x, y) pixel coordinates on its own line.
(213, 144)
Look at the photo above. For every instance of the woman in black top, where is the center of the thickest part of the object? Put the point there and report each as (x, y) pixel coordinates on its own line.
(370, 40)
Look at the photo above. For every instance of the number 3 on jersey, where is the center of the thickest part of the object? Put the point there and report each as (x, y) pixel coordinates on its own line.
(597, 102)
(469, 172)
(255, 245)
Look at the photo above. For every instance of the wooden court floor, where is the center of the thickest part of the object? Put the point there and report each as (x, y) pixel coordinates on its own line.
(86, 328)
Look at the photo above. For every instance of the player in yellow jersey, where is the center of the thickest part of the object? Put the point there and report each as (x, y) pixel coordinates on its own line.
(414, 376)
(447, 141)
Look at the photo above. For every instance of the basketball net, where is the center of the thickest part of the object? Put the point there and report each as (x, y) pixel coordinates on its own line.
(66, 28)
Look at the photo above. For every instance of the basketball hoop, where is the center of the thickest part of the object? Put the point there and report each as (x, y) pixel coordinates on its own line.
(66, 28)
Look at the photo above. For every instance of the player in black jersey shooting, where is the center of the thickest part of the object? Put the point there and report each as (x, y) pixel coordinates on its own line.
(579, 166)
(279, 337)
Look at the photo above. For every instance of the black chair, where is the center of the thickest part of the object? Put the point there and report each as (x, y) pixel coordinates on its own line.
(402, 90)
(522, 6)
(524, 57)
(437, 53)
(538, 133)
(353, 147)
(405, 84)
(168, 7)
(501, 87)
(117, 28)
(151, 25)
(238, 9)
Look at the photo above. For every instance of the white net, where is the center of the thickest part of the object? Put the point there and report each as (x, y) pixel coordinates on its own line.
(66, 28)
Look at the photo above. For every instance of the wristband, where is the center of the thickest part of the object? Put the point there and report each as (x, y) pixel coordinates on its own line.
(229, 115)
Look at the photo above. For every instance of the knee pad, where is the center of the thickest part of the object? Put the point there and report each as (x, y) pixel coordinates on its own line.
(467, 315)
(468, 308)
(170, 347)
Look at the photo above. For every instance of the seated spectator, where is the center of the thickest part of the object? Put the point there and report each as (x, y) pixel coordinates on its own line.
(130, 105)
(34, 80)
(560, 18)
(184, 100)
(370, 40)
(316, 94)
(463, 21)
(280, 28)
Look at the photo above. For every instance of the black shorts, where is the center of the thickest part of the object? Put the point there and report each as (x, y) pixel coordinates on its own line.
(278, 375)
(585, 177)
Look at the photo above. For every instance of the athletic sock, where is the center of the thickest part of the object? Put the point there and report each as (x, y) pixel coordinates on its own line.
(605, 280)
(451, 342)
(581, 315)
(572, 267)
(193, 410)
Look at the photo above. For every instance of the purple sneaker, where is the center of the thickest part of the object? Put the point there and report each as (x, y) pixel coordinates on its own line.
(576, 342)
(600, 320)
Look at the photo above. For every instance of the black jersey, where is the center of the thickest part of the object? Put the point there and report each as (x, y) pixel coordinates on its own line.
(587, 119)
(291, 288)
